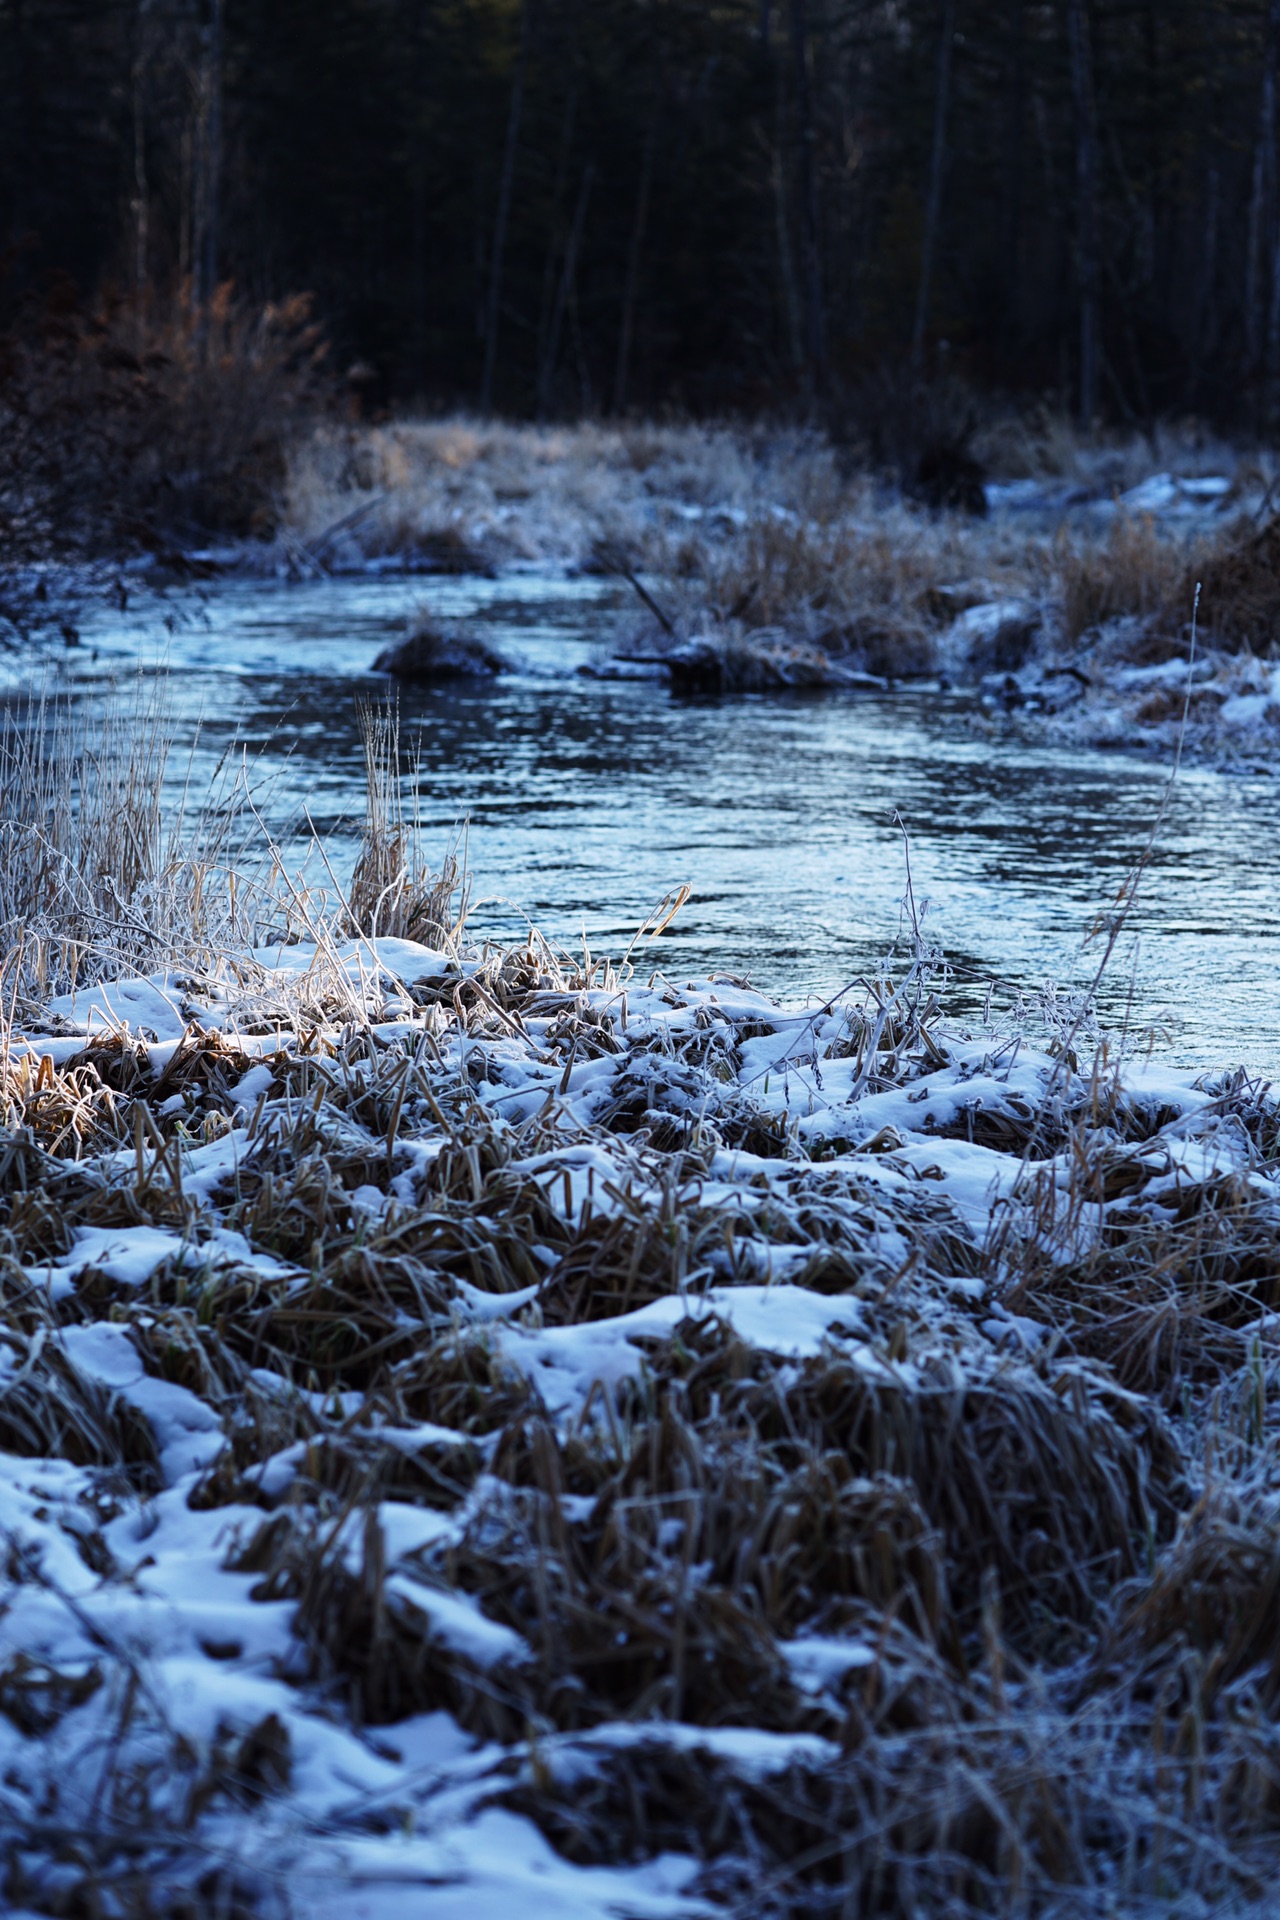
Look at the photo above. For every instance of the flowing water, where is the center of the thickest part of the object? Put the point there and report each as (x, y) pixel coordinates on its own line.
(587, 800)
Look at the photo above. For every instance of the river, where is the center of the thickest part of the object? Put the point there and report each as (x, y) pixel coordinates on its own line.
(587, 800)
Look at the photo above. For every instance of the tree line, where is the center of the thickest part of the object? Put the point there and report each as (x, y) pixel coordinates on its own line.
(550, 207)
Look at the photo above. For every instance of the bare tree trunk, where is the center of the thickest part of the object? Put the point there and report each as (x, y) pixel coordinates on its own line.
(1086, 202)
(815, 326)
(786, 266)
(186, 169)
(141, 196)
(789, 297)
(554, 235)
(565, 293)
(632, 286)
(1206, 326)
(937, 169)
(418, 219)
(20, 104)
(1262, 201)
(199, 172)
(1011, 182)
(503, 214)
(208, 162)
(1271, 379)
(580, 351)
(1206, 166)
(213, 170)
(1262, 299)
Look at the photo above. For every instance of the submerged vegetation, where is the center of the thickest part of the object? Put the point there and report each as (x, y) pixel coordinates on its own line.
(511, 1422)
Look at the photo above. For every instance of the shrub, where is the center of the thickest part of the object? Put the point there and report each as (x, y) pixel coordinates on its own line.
(132, 424)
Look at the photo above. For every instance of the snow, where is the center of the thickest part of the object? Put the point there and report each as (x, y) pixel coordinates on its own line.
(128, 1255)
(142, 1586)
(457, 1621)
(188, 1434)
(567, 1362)
(497, 1865)
(749, 1750)
(132, 1004)
(1245, 709)
(820, 1661)
(1169, 494)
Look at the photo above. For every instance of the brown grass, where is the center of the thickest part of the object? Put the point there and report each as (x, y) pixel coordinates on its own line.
(1053, 1563)
(1136, 572)
(1240, 590)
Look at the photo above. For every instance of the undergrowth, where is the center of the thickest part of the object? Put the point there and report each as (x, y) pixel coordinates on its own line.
(128, 425)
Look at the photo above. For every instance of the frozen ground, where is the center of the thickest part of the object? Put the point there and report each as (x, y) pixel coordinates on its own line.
(510, 1436)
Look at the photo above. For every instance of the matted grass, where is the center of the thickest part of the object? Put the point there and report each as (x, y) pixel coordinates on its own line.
(515, 1350)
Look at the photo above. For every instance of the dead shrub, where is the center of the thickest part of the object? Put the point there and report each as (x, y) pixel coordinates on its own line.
(1209, 1617)
(986, 1457)
(1169, 1294)
(50, 1410)
(125, 425)
(1164, 705)
(702, 1552)
(366, 1636)
(955, 1818)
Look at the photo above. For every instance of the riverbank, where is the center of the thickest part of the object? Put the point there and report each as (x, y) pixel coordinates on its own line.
(760, 561)
(493, 1425)
(766, 559)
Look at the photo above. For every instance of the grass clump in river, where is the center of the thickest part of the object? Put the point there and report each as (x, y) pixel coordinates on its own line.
(770, 1461)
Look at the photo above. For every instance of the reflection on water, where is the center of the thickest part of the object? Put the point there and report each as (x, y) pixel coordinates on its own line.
(588, 800)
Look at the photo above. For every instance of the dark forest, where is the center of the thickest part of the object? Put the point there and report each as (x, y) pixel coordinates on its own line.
(549, 208)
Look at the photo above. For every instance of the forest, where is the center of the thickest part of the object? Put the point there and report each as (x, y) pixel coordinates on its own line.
(558, 207)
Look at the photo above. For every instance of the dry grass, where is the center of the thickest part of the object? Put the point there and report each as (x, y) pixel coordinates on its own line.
(107, 866)
(393, 893)
(1240, 587)
(762, 549)
(447, 493)
(1135, 572)
(857, 592)
(95, 873)
(1050, 1561)
(1045, 445)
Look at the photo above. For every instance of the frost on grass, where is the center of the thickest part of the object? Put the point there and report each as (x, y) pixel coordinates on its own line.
(765, 560)
(484, 1432)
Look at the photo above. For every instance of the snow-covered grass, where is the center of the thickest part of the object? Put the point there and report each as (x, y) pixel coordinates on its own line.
(489, 1431)
(440, 491)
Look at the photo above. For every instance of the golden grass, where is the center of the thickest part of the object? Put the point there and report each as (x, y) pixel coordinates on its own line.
(1135, 572)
